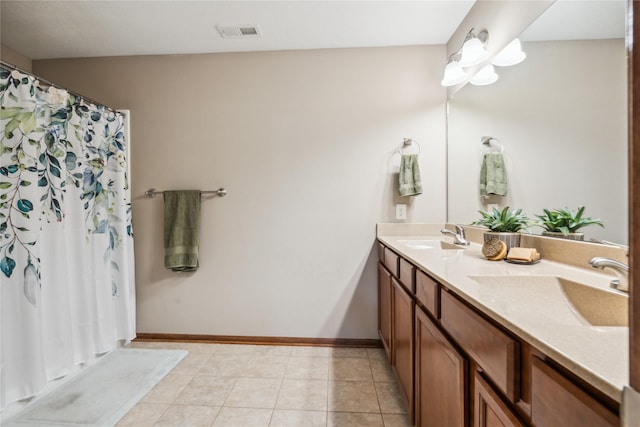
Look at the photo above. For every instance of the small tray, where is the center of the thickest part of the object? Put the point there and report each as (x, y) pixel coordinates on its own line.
(517, 261)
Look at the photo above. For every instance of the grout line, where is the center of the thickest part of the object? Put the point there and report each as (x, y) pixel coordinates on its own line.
(328, 381)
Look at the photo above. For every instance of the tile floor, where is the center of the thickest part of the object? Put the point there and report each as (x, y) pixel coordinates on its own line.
(223, 385)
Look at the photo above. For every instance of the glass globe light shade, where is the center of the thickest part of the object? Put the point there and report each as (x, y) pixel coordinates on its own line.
(453, 74)
(512, 54)
(485, 76)
(473, 52)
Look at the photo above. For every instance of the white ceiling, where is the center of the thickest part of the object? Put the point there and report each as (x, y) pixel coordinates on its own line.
(579, 20)
(88, 28)
(69, 29)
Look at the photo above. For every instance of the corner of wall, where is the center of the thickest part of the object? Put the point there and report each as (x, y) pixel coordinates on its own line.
(16, 58)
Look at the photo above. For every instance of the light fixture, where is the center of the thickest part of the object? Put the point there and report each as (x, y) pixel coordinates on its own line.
(472, 52)
(473, 49)
(512, 54)
(485, 76)
(453, 74)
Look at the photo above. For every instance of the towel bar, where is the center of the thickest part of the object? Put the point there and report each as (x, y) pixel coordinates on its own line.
(220, 192)
(488, 142)
(408, 142)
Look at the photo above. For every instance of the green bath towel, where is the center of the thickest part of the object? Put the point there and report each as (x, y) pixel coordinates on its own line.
(409, 178)
(493, 176)
(181, 229)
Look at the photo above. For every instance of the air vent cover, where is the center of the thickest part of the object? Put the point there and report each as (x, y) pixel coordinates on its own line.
(237, 31)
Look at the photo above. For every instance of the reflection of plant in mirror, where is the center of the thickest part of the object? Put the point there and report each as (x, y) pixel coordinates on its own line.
(565, 221)
(507, 220)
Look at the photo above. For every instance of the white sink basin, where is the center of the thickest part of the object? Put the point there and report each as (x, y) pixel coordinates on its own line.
(561, 298)
(429, 244)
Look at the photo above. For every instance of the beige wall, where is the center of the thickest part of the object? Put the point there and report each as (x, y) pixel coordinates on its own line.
(561, 116)
(16, 58)
(304, 141)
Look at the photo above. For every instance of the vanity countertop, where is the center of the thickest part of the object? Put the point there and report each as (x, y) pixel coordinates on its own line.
(537, 314)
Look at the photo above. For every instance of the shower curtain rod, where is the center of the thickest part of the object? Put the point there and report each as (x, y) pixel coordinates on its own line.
(47, 82)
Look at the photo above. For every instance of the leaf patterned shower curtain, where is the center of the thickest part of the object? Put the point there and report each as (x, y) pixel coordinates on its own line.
(66, 247)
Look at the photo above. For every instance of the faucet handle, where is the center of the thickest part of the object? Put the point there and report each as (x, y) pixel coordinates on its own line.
(460, 230)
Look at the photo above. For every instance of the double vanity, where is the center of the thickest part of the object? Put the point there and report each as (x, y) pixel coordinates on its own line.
(490, 343)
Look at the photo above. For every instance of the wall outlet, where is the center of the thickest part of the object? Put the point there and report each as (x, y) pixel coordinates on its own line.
(401, 211)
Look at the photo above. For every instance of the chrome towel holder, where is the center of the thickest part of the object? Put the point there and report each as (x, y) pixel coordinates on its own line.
(220, 192)
(408, 142)
(491, 144)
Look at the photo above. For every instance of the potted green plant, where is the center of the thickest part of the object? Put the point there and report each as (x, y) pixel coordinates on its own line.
(503, 225)
(565, 223)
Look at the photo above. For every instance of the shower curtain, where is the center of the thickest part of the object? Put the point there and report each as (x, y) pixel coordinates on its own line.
(66, 246)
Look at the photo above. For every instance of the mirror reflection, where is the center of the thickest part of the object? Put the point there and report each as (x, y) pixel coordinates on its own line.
(559, 118)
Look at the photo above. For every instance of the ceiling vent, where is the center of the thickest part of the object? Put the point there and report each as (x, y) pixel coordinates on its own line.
(238, 31)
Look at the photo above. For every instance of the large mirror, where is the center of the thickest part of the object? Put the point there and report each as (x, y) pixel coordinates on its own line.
(560, 119)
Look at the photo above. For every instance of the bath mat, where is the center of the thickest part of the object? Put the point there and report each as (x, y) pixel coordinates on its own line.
(103, 393)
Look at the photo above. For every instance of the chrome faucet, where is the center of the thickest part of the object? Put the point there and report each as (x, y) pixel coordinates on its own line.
(621, 285)
(458, 235)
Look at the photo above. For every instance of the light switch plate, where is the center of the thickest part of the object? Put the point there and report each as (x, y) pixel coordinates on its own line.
(401, 211)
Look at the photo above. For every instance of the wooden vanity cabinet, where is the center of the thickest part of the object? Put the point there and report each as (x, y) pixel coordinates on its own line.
(456, 367)
(441, 378)
(402, 341)
(384, 308)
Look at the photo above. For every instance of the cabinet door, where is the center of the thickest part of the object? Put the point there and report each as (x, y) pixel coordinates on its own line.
(556, 401)
(441, 378)
(402, 341)
(384, 308)
(490, 410)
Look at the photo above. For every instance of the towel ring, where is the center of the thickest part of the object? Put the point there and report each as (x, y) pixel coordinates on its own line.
(492, 144)
(408, 142)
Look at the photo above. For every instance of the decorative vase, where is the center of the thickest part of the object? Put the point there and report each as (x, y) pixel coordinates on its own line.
(559, 235)
(512, 240)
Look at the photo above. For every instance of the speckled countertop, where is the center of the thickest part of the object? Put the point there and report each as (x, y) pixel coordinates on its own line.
(534, 311)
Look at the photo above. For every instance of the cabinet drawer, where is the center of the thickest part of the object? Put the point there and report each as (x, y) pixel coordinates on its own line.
(407, 274)
(556, 401)
(495, 352)
(391, 261)
(427, 292)
(380, 252)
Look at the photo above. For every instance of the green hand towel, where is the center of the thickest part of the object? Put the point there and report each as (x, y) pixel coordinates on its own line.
(493, 176)
(409, 178)
(181, 229)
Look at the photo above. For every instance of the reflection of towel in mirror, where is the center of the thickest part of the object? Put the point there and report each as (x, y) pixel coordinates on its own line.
(181, 229)
(493, 176)
(409, 178)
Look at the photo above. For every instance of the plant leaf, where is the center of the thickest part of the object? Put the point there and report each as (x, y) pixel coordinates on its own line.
(10, 112)
(29, 123)
(11, 126)
(7, 265)
(25, 205)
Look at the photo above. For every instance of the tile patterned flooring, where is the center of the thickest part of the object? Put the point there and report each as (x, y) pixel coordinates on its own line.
(224, 385)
